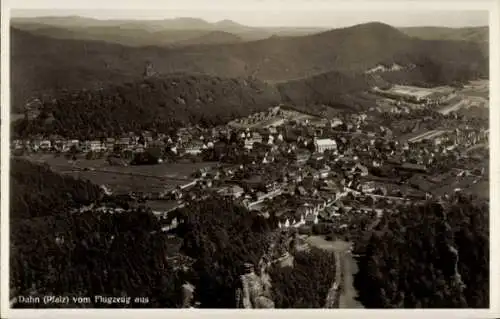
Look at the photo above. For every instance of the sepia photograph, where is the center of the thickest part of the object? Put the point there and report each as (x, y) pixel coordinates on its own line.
(271, 157)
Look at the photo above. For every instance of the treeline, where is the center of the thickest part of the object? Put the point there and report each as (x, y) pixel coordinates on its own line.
(409, 259)
(37, 191)
(157, 103)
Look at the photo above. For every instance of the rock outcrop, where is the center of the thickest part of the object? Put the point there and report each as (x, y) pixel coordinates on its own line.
(255, 291)
(255, 287)
(187, 295)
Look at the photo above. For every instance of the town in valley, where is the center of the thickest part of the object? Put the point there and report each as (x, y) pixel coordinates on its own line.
(363, 183)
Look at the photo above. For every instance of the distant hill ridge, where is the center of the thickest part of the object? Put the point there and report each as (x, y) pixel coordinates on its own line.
(157, 32)
(75, 64)
(184, 23)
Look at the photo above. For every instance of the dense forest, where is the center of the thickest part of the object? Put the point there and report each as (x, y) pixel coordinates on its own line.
(409, 260)
(76, 64)
(156, 103)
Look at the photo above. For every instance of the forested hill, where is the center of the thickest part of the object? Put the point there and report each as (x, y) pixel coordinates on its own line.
(36, 191)
(42, 65)
(155, 103)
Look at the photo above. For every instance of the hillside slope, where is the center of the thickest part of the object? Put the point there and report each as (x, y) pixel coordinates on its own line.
(77, 64)
(159, 103)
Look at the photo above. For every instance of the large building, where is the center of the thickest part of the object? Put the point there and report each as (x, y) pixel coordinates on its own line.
(324, 144)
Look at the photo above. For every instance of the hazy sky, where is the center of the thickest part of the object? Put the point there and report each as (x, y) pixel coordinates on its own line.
(314, 13)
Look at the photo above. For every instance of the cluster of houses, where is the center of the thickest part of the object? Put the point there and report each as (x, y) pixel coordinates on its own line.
(301, 185)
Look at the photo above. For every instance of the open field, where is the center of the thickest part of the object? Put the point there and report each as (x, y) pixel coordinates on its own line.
(123, 179)
(123, 184)
(161, 205)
